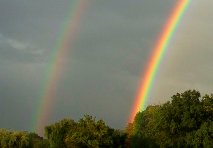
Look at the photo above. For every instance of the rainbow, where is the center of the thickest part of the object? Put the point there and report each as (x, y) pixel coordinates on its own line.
(52, 76)
(156, 57)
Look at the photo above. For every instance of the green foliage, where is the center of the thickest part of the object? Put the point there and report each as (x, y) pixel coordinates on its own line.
(142, 131)
(118, 138)
(185, 121)
(19, 139)
(14, 139)
(87, 132)
(57, 132)
(36, 141)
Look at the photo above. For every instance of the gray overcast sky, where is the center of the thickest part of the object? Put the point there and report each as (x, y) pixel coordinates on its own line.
(101, 73)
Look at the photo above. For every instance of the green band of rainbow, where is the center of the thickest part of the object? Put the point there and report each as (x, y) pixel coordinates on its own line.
(156, 57)
(52, 76)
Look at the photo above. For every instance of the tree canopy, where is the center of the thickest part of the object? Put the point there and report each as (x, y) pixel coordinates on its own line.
(87, 132)
(185, 121)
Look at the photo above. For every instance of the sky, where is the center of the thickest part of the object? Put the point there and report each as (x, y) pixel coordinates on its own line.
(103, 67)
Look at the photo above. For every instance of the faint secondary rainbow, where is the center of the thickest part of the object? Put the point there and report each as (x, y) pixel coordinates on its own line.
(156, 57)
(62, 47)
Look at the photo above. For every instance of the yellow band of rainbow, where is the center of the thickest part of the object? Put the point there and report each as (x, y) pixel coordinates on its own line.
(156, 57)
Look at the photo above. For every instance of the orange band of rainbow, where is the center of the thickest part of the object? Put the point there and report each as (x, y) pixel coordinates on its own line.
(156, 57)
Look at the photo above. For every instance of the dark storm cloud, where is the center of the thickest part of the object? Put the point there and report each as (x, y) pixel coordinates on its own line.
(105, 62)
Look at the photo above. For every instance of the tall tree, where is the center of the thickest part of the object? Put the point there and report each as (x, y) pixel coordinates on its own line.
(89, 133)
(57, 132)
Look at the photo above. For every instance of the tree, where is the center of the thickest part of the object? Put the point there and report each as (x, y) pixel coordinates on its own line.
(36, 141)
(57, 132)
(13, 139)
(185, 121)
(143, 130)
(207, 103)
(89, 133)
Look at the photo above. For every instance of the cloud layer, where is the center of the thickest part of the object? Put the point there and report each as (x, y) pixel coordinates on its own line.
(104, 65)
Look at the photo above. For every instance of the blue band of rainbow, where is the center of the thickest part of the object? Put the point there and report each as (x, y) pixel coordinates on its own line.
(156, 57)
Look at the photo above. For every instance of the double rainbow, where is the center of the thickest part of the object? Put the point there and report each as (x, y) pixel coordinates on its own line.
(156, 57)
(46, 99)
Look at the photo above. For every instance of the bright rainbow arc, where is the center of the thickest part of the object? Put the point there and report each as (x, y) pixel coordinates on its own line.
(68, 35)
(156, 57)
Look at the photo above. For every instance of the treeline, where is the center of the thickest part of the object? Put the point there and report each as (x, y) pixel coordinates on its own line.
(19, 139)
(185, 121)
(67, 133)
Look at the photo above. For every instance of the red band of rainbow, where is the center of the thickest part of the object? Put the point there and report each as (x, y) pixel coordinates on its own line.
(156, 57)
